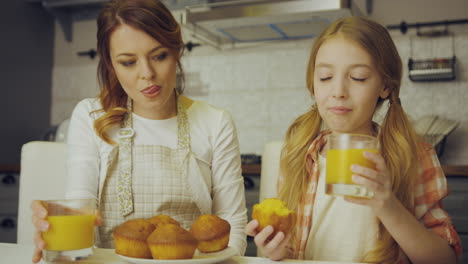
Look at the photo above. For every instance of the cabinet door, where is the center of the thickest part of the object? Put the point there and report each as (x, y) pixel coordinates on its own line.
(456, 203)
(9, 189)
(464, 239)
(8, 229)
(252, 185)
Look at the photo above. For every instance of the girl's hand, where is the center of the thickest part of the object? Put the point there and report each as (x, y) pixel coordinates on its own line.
(274, 249)
(39, 214)
(377, 181)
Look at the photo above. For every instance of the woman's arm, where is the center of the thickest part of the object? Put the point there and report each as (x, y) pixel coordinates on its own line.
(228, 183)
(83, 153)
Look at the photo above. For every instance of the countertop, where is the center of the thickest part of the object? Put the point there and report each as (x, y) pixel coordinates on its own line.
(21, 254)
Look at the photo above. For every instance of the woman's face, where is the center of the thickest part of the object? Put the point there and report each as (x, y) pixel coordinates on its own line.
(146, 70)
(346, 86)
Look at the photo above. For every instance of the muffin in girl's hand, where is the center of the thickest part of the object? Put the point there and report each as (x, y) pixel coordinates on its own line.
(170, 241)
(212, 233)
(130, 238)
(273, 211)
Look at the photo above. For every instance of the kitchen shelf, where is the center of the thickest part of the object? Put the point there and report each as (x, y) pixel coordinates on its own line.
(10, 168)
(449, 170)
(455, 170)
(251, 169)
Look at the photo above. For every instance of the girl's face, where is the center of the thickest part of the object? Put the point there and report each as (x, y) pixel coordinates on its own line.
(146, 70)
(346, 86)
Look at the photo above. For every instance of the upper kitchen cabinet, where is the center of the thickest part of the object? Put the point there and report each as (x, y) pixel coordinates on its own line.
(221, 22)
(68, 11)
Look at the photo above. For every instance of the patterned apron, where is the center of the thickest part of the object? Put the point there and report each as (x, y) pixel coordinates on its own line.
(147, 180)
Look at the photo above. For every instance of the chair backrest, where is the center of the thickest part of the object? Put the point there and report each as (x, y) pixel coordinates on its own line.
(42, 177)
(270, 169)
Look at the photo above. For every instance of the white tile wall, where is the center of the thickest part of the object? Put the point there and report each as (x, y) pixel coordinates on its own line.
(263, 85)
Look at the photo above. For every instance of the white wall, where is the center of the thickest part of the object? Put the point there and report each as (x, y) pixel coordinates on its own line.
(263, 85)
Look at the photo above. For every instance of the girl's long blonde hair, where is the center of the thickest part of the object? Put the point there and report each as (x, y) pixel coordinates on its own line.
(149, 16)
(399, 142)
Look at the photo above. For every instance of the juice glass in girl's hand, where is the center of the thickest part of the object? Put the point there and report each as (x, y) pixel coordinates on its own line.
(71, 229)
(343, 151)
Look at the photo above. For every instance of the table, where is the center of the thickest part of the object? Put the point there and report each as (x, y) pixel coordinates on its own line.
(21, 254)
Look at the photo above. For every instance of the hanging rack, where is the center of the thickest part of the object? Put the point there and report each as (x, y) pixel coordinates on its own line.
(436, 69)
(403, 26)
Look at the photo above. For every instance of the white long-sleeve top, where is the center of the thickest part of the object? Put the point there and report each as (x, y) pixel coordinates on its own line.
(213, 141)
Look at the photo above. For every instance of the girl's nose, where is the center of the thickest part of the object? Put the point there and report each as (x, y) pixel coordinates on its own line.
(339, 87)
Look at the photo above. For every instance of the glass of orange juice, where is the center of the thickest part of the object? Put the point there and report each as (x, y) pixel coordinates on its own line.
(71, 229)
(343, 151)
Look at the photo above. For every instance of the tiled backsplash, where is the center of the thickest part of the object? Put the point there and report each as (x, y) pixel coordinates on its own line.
(263, 86)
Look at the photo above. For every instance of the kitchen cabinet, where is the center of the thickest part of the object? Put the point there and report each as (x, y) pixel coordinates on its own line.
(456, 204)
(251, 173)
(9, 189)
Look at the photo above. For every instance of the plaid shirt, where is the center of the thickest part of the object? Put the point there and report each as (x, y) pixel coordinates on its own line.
(430, 190)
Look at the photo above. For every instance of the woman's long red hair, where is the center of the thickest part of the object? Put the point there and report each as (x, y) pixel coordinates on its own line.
(150, 16)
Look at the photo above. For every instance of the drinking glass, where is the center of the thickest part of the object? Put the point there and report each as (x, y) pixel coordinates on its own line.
(71, 229)
(343, 151)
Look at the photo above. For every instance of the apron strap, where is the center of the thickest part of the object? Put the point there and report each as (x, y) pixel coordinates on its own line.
(183, 128)
(126, 134)
(124, 191)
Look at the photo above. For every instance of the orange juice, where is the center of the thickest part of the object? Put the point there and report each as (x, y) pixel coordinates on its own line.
(69, 232)
(339, 163)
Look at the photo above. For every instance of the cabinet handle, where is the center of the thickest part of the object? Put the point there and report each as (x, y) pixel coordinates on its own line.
(248, 183)
(8, 179)
(8, 223)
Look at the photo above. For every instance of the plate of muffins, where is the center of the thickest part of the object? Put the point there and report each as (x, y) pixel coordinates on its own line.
(161, 239)
(198, 258)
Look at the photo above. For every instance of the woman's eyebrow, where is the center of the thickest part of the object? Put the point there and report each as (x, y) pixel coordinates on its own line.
(131, 54)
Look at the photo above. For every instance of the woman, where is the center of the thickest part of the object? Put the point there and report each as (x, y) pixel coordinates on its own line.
(141, 148)
(353, 68)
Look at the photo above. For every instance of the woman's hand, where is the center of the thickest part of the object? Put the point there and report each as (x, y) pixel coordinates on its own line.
(274, 249)
(39, 214)
(41, 225)
(378, 181)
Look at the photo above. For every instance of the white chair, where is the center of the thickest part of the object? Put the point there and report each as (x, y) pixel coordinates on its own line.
(42, 177)
(270, 169)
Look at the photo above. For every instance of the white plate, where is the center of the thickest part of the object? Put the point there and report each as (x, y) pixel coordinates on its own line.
(198, 258)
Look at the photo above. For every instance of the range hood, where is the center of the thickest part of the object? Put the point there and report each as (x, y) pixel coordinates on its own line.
(220, 22)
(245, 21)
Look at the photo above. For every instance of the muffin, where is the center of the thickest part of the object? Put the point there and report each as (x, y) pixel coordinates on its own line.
(171, 242)
(162, 219)
(273, 211)
(212, 233)
(130, 238)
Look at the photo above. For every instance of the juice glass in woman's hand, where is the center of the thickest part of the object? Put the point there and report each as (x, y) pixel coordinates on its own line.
(71, 232)
(343, 151)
